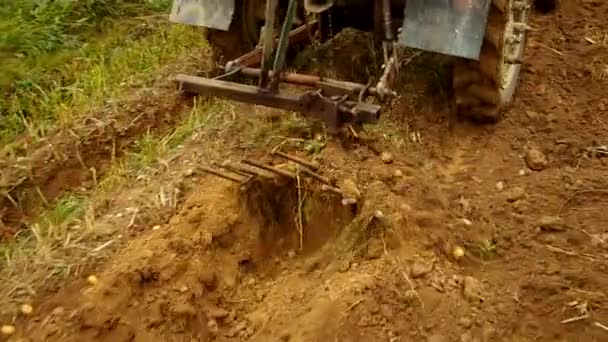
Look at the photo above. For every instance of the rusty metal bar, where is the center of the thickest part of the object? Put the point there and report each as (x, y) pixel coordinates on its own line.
(310, 80)
(254, 57)
(270, 169)
(220, 174)
(311, 165)
(315, 176)
(232, 169)
(331, 189)
(305, 80)
(334, 86)
(387, 79)
(250, 172)
(334, 113)
(239, 92)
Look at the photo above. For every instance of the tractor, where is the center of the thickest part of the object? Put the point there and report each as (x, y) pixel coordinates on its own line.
(487, 39)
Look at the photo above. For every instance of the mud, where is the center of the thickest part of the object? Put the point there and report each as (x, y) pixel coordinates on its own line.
(228, 265)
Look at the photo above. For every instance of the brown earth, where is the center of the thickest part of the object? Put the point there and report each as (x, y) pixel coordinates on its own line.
(526, 199)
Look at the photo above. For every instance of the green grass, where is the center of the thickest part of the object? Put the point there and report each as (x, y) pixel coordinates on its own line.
(30, 29)
(59, 241)
(105, 70)
(60, 56)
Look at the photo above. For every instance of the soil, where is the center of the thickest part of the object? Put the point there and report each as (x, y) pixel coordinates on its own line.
(269, 262)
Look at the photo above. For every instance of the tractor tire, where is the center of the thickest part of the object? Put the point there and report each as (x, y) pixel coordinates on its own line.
(244, 32)
(483, 89)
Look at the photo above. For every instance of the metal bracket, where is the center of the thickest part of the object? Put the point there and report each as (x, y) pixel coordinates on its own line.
(334, 112)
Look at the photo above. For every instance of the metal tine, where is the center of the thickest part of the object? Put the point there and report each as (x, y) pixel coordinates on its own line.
(311, 165)
(233, 169)
(220, 174)
(270, 169)
(250, 172)
(315, 175)
(332, 189)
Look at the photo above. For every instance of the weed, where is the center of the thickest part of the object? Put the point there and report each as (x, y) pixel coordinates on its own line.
(484, 249)
(51, 65)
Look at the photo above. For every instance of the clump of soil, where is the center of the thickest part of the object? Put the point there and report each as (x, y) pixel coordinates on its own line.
(350, 55)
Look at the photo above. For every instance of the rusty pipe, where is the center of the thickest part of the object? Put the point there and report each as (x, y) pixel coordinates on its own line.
(305, 80)
(311, 80)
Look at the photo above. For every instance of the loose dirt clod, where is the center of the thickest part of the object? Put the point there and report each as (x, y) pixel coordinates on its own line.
(536, 160)
(213, 326)
(420, 268)
(471, 289)
(551, 224)
(515, 194)
(350, 191)
(465, 322)
(218, 313)
(387, 157)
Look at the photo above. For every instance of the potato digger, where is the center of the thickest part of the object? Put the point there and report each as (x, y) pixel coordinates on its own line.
(486, 38)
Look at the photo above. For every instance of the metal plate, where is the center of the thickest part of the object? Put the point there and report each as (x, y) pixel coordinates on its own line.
(451, 27)
(215, 14)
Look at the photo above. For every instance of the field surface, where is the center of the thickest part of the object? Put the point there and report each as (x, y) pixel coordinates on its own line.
(112, 232)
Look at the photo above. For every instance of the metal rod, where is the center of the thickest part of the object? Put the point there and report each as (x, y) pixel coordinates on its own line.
(331, 189)
(311, 165)
(313, 81)
(254, 57)
(220, 174)
(281, 52)
(268, 40)
(239, 92)
(270, 169)
(305, 103)
(306, 80)
(315, 176)
(232, 169)
(250, 172)
(386, 80)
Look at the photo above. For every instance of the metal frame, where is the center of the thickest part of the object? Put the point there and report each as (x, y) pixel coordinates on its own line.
(337, 103)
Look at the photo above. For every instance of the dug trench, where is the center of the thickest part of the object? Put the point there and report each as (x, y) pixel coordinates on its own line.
(222, 267)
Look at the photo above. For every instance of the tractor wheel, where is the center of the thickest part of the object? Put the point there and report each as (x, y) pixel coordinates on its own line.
(244, 32)
(483, 89)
